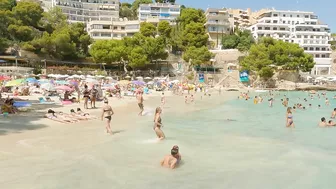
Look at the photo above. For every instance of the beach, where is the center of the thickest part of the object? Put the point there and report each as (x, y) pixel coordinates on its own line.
(39, 153)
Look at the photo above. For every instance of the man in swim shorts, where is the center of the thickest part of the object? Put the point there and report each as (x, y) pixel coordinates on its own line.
(170, 161)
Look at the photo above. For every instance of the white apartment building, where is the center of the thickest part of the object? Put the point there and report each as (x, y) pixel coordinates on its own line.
(157, 12)
(217, 25)
(113, 29)
(298, 27)
(85, 10)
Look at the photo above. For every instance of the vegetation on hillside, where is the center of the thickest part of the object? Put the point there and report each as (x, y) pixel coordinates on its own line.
(333, 43)
(240, 39)
(45, 33)
(269, 53)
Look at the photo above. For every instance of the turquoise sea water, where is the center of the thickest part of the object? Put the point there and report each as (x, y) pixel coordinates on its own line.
(255, 151)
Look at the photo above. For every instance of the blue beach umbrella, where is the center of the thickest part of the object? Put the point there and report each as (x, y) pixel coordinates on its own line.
(31, 80)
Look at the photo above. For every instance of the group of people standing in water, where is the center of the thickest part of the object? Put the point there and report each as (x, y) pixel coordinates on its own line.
(297, 106)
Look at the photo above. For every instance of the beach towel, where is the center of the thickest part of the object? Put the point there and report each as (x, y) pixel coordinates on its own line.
(43, 101)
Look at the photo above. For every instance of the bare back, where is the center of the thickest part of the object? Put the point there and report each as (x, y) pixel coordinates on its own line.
(169, 161)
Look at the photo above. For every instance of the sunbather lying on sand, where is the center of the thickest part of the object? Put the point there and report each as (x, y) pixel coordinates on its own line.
(51, 115)
(87, 115)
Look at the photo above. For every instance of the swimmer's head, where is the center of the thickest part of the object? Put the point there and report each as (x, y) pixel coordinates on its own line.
(329, 121)
(319, 106)
(174, 152)
(78, 109)
(158, 110)
(106, 101)
(72, 110)
(175, 147)
(323, 119)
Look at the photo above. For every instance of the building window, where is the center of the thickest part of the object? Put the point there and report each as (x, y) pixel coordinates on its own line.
(317, 56)
(95, 34)
(275, 28)
(323, 56)
(317, 48)
(306, 16)
(282, 29)
(305, 48)
(259, 28)
(115, 27)
(115, 35)
(323, 49)
(305, 41)
(290, 16)
(275, 15)
(106, 27)
(288, 22)
(306, 36)
(293, 22)
(298, 36)
(298, 16)
(311, 37)
(311, 48)
(284, 15)
(105, 34)
(267, 28)
(275, 21)
(284, 22)
(122, 28)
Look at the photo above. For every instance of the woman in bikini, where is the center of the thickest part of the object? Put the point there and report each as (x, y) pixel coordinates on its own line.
(51, 115)
(289, 118)
(107, 112)
(86, 94)
(158, 124)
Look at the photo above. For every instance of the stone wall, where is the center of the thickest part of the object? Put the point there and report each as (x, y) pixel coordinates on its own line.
(288, 76)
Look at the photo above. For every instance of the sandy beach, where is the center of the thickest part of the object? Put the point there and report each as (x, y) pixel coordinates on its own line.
(30, 143)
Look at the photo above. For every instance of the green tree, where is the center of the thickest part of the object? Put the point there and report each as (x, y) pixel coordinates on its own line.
(136, 4)
(164, 29)
(6, 19)
(53, 19)
(194, 35)
(137, 58)
(21, 33)
(107, 51)
(241, 40)
(147, 29)
(155, 49)
(3, 45)
(197, 56)
(7, 4)
(269, 52)
(126, 11)
(28, 13)
(190, 15)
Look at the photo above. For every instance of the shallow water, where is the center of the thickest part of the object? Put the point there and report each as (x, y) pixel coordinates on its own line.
(254, 151)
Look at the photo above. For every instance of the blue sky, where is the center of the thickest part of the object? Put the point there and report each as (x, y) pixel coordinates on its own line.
(325, 9)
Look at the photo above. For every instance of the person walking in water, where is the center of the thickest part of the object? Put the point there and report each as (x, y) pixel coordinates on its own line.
(107, 112)
(289, 118)
(158, 124)
(140, 102)
(163, 100)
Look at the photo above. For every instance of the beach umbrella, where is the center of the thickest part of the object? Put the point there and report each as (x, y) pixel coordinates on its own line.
(89, 76)
(150, 83)
(42, 81)
(4, 78)
(124, 82)
(92, 81)
(63, 88)
(31, 80)
(128, 77)
(62, 82)
(48, 86)
(100, 76)
(14, 83)
(108, 78)
(148, 78)
(139, 78)
(138, 82)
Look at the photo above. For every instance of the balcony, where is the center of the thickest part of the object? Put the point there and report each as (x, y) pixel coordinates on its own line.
(323, 61)
(217, 23)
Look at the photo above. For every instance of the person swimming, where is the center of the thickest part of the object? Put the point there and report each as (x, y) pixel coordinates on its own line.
(323, 122)
(170, 161)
